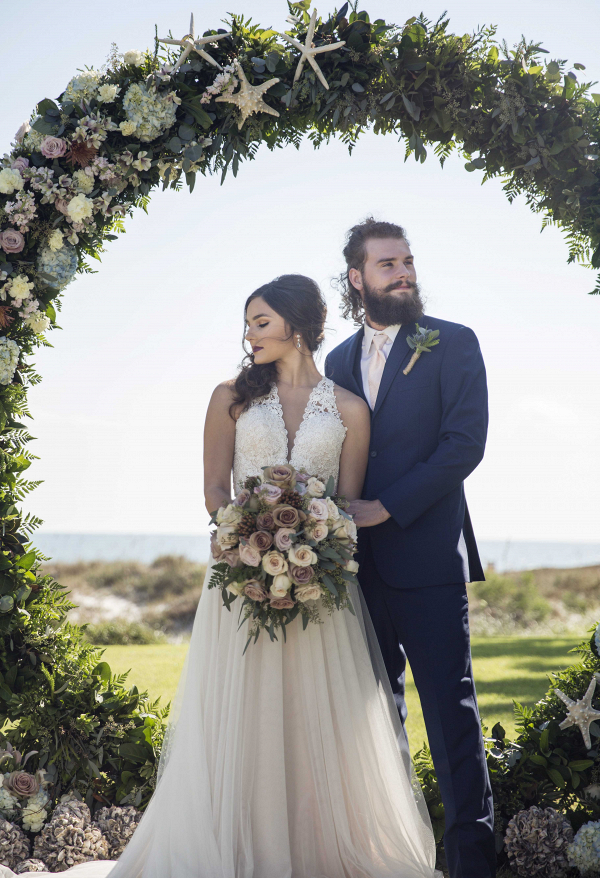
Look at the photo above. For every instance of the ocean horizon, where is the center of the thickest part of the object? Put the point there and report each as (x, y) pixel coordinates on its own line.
(68, 548)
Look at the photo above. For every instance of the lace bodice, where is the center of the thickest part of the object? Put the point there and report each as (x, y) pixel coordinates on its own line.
(261, 438)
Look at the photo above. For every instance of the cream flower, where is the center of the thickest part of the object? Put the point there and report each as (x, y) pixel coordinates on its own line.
(80, 208)
(333, 511)
(83, 181)
(250, 556)
(350, 528)
(107, 93)
(229, 514)
(127, 128)
(56, 240)
(20, 288)
(227, 536)
(351, 565)
(308, 593)
(318, 510)
(236, 588)
(37, 321)
(10, 181)
(319, 531)
(302, 556)
(315, 487)
(281, 585)
(274, 563)
(134, 58)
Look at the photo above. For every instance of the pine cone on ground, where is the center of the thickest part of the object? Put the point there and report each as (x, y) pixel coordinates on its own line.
(69, 838)
(291, 498)
(30, 865)
(247, 525)
(118, 825)
(14, 844)
(536, 842)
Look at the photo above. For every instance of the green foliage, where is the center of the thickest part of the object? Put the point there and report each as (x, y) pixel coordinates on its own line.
(517, 599)
(121, 632)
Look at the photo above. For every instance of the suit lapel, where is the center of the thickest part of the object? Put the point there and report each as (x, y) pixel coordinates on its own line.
(352, 363)
(399, 354)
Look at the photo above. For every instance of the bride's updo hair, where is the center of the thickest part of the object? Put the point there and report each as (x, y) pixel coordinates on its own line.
(300, 302)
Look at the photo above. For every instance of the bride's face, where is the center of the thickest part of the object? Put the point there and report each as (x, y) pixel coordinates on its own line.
(267, 333)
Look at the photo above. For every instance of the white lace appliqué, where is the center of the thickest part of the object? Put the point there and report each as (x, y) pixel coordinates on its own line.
(261, 438)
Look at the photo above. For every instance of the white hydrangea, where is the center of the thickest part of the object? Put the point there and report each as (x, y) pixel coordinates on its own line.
(83, 86)
(83, 181)
(8, 802)
(127, 128)
(133, 57)
(584, 850)
(34, 813)
(10, 181)
(19, 287)
(37, 321)
(80, 208)
(151, 111)
(9, 357)
(33, 139)
(107, 93)
(56, 240)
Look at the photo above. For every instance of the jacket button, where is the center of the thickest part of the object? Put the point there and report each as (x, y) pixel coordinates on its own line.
(373, 454)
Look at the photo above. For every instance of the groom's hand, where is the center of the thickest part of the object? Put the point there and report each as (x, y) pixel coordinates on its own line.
(367, 513)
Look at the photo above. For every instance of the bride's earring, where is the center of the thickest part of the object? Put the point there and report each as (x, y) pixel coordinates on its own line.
(298, 341)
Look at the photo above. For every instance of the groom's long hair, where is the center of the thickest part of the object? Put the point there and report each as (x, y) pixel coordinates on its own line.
(300, 302)
(355, 254)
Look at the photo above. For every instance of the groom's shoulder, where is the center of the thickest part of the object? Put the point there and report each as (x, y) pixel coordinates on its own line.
(448, 329)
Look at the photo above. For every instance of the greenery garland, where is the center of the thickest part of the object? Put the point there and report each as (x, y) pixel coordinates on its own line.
(87, 159)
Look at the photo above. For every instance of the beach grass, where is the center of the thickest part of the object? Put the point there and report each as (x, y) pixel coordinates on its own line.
(506, 669)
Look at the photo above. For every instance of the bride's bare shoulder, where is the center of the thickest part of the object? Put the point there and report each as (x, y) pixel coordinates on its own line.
(351, 407)
(223, 398)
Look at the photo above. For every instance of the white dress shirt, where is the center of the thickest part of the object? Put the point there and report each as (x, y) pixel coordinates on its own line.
(368, 350)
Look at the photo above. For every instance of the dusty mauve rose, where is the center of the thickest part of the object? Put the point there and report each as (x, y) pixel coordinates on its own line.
(261, 539)
(282, 475)
(232, 556)
(20, 164)
(282, 538)
(264, 521)
(302, 477)
(12, 241)
(308, 593)
(302, 556)
(301, 575)
(242, 498)
(286, 516)
(215, 548)
(249, 555)
(53, 147)
(319, 531)
(62, 205)
(285, 603)
(274, 563)
(255, 590)
(318, 509)
(22, 783)
(269, 494)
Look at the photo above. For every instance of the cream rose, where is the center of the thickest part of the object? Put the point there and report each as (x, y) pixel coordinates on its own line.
(227, 536)
(80, 208)
(229, 514)
(133, 57)
(340, 534)
(281, 585)
(333, 511)
(350, 529)
(107, 93)
(22, 131)
(10, 181)
(302, 556)
(274, 563)
(308, 593)
(351, 565)
(215, 548)
(318, 509)
(249, 555)
(315, 487)
(319, 531)
(236, 588)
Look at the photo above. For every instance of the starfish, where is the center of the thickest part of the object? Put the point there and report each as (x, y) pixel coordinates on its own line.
(308, 50)
(190, 43)
(249, 98)
(581, 713)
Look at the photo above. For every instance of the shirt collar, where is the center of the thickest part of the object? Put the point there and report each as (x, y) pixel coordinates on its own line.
(390, 331)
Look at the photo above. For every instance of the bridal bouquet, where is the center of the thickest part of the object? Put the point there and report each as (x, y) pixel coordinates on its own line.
(285, 547)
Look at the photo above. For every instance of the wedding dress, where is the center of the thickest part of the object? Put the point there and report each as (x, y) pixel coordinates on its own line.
(283, 762)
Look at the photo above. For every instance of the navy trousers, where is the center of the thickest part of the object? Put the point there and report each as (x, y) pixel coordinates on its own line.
(430, 627)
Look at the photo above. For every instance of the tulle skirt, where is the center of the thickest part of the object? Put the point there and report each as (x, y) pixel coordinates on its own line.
(286, 762)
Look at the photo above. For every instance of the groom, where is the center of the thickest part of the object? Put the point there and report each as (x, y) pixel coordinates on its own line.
(416, 544)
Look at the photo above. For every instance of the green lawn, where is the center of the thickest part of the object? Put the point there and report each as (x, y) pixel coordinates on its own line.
(506, 669)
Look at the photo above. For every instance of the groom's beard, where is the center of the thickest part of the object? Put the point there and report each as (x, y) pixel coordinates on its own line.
(388, 310)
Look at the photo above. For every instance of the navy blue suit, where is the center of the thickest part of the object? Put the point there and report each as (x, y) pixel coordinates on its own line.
(428, 432)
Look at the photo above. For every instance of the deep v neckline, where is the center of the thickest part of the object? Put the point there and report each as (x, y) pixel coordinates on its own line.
(279, 407)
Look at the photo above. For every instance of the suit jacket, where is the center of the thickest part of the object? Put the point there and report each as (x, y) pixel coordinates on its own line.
(428, 432)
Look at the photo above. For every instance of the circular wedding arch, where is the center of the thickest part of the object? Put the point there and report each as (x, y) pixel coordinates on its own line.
(204, 104)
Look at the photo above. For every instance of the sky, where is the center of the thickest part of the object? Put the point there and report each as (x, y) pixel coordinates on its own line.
(119, 415)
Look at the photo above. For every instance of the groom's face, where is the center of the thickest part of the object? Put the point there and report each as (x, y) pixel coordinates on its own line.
(387, 282)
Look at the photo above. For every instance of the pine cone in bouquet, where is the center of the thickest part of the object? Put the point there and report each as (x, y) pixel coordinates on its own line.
(537, 842)
(70, 838)
(14, 844)
(30, 865)
(118, 825)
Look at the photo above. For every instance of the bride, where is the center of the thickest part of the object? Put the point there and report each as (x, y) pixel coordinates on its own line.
(288, 761)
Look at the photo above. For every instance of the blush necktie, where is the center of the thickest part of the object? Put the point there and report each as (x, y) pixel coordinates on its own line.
(376, 366)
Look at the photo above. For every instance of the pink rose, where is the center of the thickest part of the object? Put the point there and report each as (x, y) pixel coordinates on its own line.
(215, 548)
(23, 129)
(301, 575)
(269, 494)
(232, 557)
(255, 590)
(53, 147)
(318, 509)
(264, 521)
(285, 603)
(20, 164)
(22, 783)
(309, 592)
(261, 540)
(286, 516)
(283, 538)
(242, 498)
(249, 555)
(12, 241)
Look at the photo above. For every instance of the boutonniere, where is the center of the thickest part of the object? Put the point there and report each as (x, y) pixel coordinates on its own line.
(421, 343)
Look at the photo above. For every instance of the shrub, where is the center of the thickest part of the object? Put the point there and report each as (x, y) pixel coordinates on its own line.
(122, 632)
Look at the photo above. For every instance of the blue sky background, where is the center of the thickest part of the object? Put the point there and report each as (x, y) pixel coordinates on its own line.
(120, 412)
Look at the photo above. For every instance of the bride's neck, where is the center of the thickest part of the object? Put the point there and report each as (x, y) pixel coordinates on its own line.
(298, 370)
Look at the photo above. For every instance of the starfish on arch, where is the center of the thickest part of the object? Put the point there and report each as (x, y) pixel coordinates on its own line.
(189, 43)
(308, 51)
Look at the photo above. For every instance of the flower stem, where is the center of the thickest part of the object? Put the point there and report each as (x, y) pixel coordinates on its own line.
(412, 362)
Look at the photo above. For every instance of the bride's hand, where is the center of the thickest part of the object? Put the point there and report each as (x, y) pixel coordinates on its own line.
(368, 513)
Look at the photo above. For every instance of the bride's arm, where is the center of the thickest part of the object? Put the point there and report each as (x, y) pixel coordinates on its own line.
(219, 441)
(355, 450)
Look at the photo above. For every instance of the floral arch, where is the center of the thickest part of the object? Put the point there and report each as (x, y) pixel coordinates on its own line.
(204, 104)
